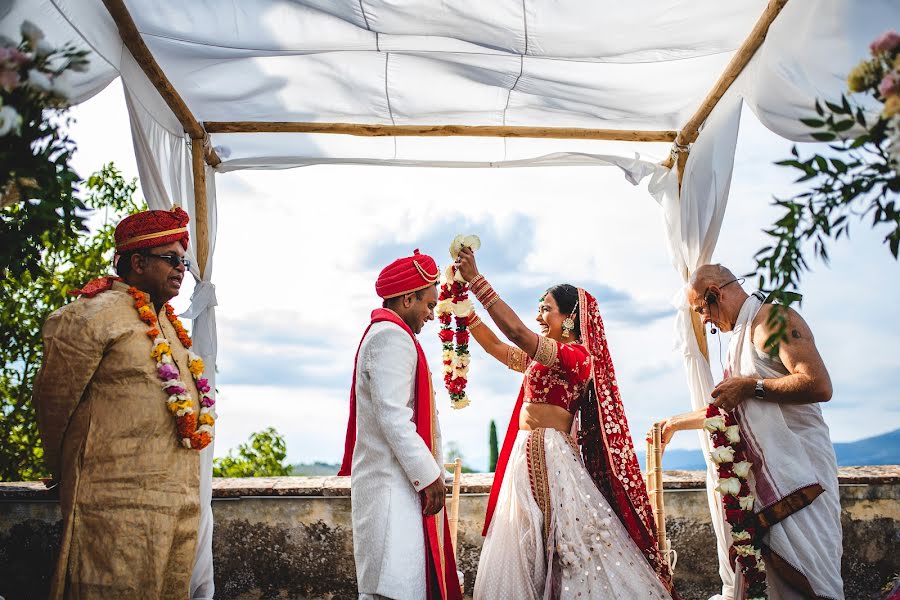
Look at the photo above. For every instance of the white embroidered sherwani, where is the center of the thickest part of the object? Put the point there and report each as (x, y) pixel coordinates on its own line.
(391, 464)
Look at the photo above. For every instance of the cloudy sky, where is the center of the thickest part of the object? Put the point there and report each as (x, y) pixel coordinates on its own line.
(298, 252)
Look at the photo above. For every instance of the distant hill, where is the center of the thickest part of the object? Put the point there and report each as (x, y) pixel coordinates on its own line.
(316, 469)
(879, 450)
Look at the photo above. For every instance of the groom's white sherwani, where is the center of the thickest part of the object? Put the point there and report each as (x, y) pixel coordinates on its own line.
(391, 464)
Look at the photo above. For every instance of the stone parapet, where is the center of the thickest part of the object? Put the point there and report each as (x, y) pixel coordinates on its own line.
(291, 537)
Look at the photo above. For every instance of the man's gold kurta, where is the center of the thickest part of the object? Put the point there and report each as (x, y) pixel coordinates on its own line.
(129, 491)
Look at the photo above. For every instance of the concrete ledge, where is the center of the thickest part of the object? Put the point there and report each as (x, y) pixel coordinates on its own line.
(472, 483)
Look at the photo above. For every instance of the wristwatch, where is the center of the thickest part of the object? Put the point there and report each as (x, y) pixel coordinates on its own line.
(759, 391)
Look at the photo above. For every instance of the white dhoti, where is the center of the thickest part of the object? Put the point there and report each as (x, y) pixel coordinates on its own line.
(794, 476)
(553, 534)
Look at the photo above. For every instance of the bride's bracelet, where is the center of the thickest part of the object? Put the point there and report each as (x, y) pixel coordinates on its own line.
(474, 321)
(483, 291)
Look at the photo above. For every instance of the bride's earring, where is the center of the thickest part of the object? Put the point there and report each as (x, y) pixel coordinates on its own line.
(568, 324)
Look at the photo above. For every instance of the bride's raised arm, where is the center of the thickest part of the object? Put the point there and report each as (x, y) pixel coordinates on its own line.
(512, 357)
(508, 321)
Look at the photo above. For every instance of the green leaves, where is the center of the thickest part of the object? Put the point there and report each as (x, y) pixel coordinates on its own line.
(27, 296)
(262, 456)
(855, 179)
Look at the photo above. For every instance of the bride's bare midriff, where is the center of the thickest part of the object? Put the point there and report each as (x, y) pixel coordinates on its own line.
(548, 416)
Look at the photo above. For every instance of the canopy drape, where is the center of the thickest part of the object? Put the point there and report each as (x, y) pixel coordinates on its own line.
(543, 63)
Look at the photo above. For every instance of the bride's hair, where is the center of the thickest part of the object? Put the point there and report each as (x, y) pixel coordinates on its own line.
(566, 296)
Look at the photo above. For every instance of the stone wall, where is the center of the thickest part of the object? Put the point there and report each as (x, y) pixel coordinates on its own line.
(291, 537)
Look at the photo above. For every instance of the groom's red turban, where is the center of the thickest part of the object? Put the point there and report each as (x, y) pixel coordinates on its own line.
(406, 275)
(152, 228)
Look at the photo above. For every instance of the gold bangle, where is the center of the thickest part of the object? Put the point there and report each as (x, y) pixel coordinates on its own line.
(475, 280)
(474, 321)
(492, 301)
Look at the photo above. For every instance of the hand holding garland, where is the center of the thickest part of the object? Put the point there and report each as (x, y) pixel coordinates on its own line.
(509, 323)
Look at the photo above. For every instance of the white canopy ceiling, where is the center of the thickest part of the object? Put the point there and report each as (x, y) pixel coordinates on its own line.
(603, 64)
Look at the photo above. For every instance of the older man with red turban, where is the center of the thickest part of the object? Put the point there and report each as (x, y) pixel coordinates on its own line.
(401, 538)
(123, 411)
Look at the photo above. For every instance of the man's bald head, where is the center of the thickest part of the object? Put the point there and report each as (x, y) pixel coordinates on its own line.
(712, 293)
(708, 275)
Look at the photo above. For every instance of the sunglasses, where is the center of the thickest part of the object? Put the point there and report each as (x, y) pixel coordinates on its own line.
(173, 259)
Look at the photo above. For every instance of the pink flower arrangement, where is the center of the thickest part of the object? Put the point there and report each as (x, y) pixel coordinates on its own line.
(887, 41)
(167, 372)
(889, 85)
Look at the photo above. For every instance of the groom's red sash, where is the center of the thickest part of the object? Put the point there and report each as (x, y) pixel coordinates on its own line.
(440, 560)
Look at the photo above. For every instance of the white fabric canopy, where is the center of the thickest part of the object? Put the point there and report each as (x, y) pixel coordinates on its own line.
(553, 63)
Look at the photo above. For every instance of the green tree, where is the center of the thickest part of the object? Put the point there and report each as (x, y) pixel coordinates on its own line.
(25, 301)
(37, 185)
(452, 452)
(262, 456)
(494, 451)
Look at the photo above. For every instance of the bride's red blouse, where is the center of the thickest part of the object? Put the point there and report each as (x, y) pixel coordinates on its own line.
(563, 382)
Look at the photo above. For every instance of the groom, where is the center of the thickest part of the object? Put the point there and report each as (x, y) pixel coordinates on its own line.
(401, 537)
(776, 402)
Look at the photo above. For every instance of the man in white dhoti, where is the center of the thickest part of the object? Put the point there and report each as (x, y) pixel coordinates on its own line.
(775, 401)
(401, 536)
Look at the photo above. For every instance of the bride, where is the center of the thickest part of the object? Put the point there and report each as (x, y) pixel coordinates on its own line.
(563, 522)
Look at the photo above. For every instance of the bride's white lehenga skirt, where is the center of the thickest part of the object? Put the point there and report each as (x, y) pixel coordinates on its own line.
(553, 534)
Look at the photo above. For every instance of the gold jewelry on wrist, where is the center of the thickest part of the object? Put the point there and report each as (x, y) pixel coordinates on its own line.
(494, 300)
(475, 280)
(474, 321)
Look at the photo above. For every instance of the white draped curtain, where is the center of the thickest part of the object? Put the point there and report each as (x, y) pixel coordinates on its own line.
(601, 64)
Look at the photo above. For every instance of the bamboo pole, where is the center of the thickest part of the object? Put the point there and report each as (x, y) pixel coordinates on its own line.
(690, 130)
(659, 512)
(454, 510)
(201, 215)
(372, 130)
(132, 39)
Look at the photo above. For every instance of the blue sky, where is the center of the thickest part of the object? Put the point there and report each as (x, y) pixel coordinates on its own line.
(298, 252)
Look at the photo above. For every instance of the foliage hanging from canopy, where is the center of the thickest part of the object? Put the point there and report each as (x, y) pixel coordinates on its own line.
(859, 179)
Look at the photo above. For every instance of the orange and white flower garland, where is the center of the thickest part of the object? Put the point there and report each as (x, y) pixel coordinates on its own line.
(194, 431)
(453, 300)
(730, 455)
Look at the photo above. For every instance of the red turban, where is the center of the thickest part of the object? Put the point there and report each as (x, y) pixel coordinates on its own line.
(406, 275)
(152, 228)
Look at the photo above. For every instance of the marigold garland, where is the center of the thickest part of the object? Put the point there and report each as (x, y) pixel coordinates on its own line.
(195, 431)
(454, 300)
(730, 455)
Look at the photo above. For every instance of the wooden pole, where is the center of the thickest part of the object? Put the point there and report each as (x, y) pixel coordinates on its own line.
(201, 216)
(132, 39)
(659, 511)
(688, 133)
(370, 130)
